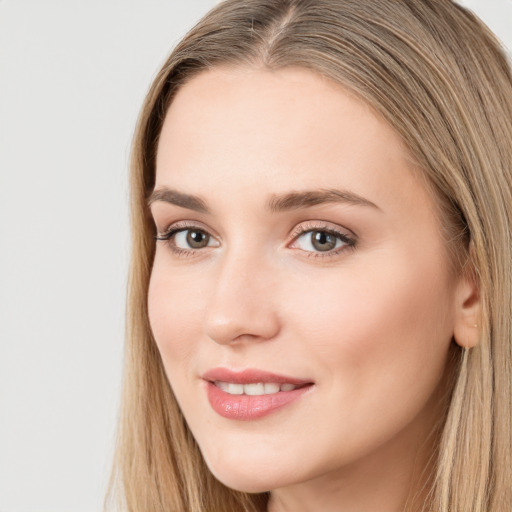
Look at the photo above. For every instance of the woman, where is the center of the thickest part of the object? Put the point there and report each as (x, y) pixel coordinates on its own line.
(320, 294)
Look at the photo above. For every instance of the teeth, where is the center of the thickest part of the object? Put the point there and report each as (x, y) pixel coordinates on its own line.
(232, 389)
(254, 389)
(257, 388)
(235, 389)
(222, 385)
(271, 388)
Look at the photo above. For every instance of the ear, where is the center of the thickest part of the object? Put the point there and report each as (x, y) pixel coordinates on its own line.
(468, 309)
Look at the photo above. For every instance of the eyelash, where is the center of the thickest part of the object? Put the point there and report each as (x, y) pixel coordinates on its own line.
(308, 227)
(348, 241)
(169, 233)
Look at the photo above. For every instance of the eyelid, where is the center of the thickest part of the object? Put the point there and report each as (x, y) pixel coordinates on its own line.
(183, 225)
(174, 228)
(312, 225)
(348, 237)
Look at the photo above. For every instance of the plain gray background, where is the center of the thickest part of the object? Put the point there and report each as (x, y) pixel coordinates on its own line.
(73, 74)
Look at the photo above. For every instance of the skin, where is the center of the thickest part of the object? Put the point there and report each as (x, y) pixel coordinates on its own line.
(372, 325)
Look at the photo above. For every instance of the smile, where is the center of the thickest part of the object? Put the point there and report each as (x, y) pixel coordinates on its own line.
(258, 388)
(251, 394)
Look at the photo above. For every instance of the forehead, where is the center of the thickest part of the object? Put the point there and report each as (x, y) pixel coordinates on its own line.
(230, 129)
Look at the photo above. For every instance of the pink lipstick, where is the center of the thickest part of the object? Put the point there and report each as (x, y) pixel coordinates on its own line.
(251, 394)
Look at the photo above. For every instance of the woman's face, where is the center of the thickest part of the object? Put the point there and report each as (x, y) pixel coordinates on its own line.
(300, 296)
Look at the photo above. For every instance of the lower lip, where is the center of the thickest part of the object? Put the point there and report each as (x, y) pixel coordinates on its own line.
(250, 407)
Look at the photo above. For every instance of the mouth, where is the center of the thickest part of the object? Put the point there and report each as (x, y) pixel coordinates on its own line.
(251, 394)
(255, 389)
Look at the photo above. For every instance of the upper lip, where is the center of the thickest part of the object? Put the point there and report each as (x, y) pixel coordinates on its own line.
(251, 376)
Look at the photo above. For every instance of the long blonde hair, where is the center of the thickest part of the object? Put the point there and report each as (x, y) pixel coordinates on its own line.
(440, 78)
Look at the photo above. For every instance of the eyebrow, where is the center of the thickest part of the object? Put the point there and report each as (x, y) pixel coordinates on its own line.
(276, 203)
(309, 198)
(188, 201)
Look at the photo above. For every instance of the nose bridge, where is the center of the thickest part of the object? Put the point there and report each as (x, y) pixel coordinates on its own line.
(241, 305)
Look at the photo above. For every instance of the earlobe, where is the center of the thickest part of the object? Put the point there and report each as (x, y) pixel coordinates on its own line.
(466, 330)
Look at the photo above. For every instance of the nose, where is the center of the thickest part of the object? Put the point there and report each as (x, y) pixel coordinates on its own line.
(242, 306)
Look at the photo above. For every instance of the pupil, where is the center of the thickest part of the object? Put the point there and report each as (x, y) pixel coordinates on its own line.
(323, 241)
(197, 239)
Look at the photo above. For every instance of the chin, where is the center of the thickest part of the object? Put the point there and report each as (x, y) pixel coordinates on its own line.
(242, 482)
(249, 478)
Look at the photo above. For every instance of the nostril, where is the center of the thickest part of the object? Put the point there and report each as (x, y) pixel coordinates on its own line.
(243, 321)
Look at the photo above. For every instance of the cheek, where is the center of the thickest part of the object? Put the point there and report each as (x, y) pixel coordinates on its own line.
(175, 314)
(376, 322)
(379, 341)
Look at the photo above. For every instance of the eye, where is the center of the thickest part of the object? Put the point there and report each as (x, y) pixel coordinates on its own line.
(321, 240)
(186, 240)
(192, 239)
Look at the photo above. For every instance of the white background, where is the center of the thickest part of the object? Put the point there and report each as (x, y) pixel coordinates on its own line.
(73, 74)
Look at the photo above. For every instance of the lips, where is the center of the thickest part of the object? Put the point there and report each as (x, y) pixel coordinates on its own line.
(251, 394)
